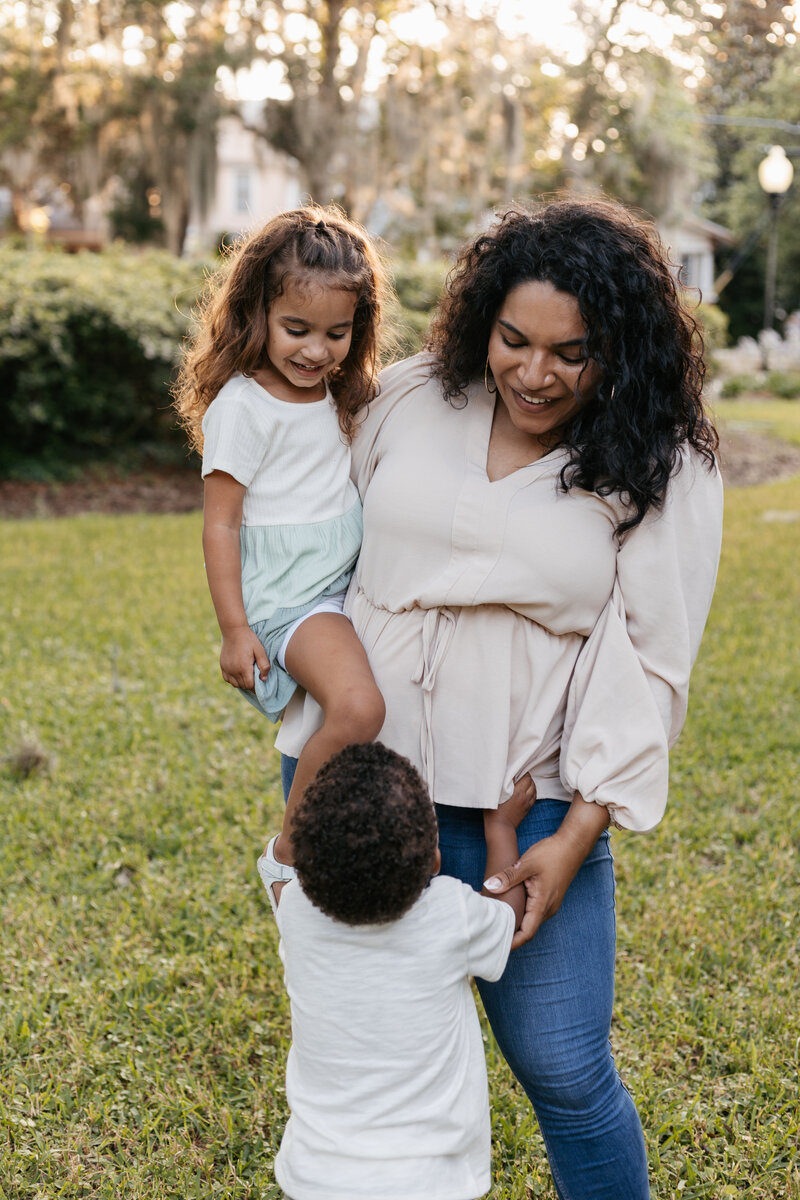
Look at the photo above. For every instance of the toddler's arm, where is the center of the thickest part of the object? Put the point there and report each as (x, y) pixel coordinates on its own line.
(500, 829)
(222, 519)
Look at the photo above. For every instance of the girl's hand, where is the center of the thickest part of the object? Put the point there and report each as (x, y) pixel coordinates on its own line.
(516, 808)
(240, 649)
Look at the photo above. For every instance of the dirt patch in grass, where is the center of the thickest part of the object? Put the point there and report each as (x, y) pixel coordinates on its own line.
(750, 458)
(746, 458)
(153, 489)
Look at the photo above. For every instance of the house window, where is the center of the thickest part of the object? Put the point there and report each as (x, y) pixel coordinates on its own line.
(242, 182)
(692, 273)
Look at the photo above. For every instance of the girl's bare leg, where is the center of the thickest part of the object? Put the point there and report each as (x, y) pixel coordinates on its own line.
(327, 659)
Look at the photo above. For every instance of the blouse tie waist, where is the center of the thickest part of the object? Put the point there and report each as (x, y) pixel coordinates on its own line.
(438, 627)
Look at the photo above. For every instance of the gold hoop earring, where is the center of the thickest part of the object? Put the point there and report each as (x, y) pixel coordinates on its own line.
(491, 391)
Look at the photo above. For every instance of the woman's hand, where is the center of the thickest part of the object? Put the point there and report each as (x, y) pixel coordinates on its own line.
(549, 867)
(240, 649)
(546, 869)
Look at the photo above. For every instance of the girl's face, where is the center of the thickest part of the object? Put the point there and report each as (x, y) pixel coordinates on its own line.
(537, 359)
(309, 330)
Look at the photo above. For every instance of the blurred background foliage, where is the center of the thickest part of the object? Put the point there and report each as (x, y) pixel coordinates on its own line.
(89, 344)
(451, 106)
(87, 347)
(418, 116)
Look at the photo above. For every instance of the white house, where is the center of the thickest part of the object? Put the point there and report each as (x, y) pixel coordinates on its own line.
(253, 183)
(692, 242)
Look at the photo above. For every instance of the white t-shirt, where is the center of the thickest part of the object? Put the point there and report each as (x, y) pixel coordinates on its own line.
(292, 458)
(301, 514)
(386, 1077)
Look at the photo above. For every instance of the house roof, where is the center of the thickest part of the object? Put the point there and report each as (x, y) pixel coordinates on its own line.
(718, 234)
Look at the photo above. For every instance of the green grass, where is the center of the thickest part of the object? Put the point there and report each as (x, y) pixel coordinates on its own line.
(143, 1026)
(780, 418)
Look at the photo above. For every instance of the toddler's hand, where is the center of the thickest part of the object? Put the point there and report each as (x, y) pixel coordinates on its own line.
(519, 804)
(240, 649)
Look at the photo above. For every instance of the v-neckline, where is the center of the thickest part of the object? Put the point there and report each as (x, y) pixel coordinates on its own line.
(484, 445)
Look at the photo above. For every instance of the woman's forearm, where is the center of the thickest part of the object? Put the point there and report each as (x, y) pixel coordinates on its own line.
(581, 827)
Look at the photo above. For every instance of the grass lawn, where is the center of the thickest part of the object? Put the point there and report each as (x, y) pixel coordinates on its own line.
(758, 415)
(143, 1027)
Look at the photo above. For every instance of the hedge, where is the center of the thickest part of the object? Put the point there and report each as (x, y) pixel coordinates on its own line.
(87, 346)
(89, 342)
(418, 287)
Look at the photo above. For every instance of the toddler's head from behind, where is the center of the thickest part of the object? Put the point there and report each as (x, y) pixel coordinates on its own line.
(365, 836)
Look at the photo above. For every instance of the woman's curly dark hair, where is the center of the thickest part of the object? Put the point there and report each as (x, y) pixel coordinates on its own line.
(639, 332)
(364, 836)
(231, 334)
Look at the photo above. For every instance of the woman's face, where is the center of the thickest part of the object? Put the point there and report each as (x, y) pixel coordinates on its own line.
(537, 359)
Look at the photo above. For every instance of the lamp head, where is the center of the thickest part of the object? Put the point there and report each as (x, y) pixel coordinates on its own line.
(775, 172)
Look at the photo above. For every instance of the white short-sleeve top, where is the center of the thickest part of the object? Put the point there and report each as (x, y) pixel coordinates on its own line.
(507, 625)
(386, 1076)
(301, 514)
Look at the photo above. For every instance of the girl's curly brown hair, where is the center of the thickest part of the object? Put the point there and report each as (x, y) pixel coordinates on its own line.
(232, 315)
(639, 332)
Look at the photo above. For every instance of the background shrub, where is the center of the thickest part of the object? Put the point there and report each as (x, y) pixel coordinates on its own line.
(418, 287)
(87, 346)
(784, 384)
(737, 385)
(714, 325)
(88, 343)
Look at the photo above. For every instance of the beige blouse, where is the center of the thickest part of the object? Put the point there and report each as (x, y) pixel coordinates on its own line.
(507, 627)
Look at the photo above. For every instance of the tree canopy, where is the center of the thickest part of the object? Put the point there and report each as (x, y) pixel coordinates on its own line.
(416, 115)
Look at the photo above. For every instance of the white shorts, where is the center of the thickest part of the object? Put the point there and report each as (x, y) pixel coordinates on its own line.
(332, 604)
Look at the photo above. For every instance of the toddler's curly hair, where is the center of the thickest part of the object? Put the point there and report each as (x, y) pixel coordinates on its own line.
(364, 836)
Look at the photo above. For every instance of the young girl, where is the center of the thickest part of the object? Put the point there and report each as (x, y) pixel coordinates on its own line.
(286, 356)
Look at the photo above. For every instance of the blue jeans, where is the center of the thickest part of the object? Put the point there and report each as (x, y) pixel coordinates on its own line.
(551, 1013)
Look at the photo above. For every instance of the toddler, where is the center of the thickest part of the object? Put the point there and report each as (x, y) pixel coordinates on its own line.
(386, 1077)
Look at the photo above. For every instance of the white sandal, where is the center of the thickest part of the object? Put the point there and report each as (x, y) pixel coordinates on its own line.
(272, 871)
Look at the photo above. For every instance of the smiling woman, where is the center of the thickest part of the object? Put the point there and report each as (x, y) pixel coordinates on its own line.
(537, 359)
(542, 515)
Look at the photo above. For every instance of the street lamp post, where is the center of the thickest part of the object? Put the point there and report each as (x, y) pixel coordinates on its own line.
(775, 176)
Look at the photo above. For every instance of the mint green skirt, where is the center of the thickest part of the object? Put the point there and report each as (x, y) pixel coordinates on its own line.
(271, 695)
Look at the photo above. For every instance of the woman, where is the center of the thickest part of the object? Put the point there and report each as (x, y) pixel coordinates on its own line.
(542, 516)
